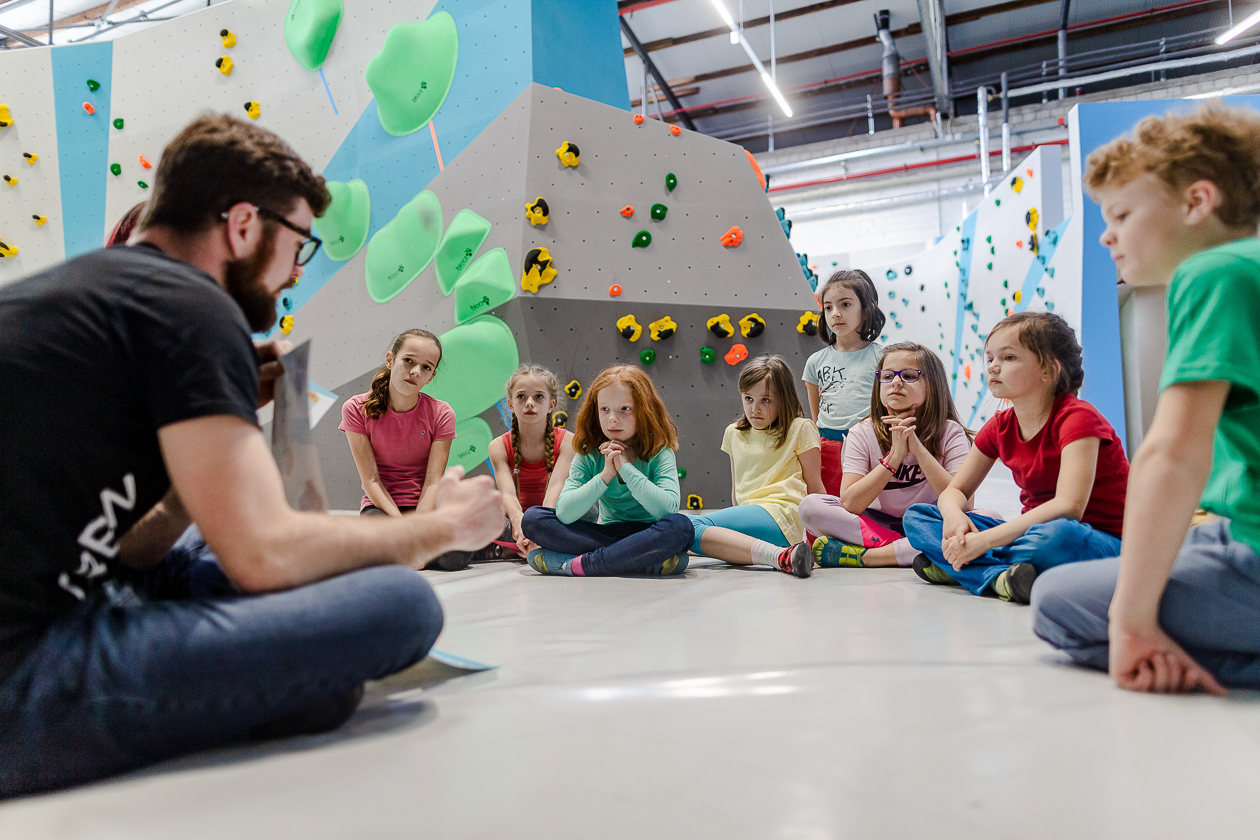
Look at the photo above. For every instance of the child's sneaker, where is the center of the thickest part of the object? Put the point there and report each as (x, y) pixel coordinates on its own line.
(797, 560)
(1016, 583)
(831, 553)
(932, 573)
(550, 562)
(675, 565)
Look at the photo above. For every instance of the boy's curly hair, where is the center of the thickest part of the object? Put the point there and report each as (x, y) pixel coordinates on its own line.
(1215, 143)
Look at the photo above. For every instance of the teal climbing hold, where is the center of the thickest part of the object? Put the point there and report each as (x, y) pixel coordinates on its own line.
(659, 211)
(412, 73)
(671, 181)
(647, 356)
(471, 446)
(309, 29)
(344, 225)
(404, 247)
(459, 245)
(477, 359)
(642, 239)
(488, 282)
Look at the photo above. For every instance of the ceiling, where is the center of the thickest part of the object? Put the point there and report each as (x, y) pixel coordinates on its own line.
(828, 56)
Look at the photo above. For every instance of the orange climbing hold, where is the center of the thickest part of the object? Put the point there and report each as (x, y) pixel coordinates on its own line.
(756, 169)
(145, 163)
(627, 211)
(736, 354)
(675, 130)
(1029, 171)
(614, 290)
(967, 371)
(638, 119)
(1019, 243)
(733, 237)
(87, 106)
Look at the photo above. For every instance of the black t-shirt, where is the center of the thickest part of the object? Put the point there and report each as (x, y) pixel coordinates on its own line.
(96, 355)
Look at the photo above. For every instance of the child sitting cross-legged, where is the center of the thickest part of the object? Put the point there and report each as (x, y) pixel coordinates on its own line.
(906, 452)
(1065, 457)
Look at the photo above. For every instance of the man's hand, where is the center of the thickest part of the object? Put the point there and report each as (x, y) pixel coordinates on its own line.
(473, 506)
(1150, 661)
(269, 367)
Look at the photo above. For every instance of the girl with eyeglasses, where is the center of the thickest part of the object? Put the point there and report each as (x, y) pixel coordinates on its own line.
(904, 453)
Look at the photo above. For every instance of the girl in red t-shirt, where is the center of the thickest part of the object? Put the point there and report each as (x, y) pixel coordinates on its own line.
(531, 462)
(1065, 457)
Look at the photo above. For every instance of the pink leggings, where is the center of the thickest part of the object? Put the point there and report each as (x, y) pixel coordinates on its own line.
(824, 517)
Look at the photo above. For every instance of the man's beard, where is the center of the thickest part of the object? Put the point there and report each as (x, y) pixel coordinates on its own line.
(243, 280)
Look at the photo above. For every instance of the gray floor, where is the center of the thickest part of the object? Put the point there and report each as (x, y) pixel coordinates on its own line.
(728, 703)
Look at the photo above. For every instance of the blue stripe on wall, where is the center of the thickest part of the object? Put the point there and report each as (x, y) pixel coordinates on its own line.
(82, 141)
(577, 47)
(964, 283)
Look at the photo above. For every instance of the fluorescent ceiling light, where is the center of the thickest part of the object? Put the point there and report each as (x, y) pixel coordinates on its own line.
(737, 37)
(1234, 32)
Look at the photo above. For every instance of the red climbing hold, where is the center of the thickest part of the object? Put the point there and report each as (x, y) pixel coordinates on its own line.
(614, 290)
(675, 130)
(638, 119)
(627, 211)
(736, 354)
(87, 106)
(1019, 243)
(756, 169)
(733, 237)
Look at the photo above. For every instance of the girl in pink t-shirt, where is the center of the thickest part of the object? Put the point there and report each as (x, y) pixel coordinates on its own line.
(904, 453)
(399, 436)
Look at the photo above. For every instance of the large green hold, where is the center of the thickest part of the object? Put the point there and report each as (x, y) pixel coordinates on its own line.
(403, 248)
(344, 225)
(472, 443)
(412, 73)
(309, 29)
(489, 282)
(478, 358)
(463, 238)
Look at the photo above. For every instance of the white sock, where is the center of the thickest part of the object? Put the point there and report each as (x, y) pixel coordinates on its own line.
(766, 553)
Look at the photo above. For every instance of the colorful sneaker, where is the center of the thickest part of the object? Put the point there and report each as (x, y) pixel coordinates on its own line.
(932, 573)
(550, 562)
(1015, 584)
(831, 553)
(675, 565)
(798, 560)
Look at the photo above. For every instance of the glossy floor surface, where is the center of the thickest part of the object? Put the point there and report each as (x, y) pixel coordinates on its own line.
(727, 703)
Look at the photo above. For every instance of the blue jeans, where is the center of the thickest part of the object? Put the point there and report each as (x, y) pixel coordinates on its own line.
(609, 548)
(183, 662)
(1211, 606)
(1042, 546)
(753, 520)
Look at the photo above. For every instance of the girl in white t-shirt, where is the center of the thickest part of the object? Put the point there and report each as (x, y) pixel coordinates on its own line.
(904, 453)
(775, 461)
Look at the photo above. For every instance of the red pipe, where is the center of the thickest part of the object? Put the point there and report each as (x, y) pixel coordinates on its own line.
(645, 4)
(910, 167)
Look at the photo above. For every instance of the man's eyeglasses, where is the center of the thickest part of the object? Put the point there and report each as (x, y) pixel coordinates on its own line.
(908, 376)
(309, 246)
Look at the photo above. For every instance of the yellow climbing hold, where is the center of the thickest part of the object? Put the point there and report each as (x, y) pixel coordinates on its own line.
(538, 270)
(6, 119)
(39, 220)
(229, 40)
(1018, 296)
(569, 154)
(7, 250)
(286, 324)
(31, 157)
(663, 328)
(225, 65)
(253, 109)
(629, 328)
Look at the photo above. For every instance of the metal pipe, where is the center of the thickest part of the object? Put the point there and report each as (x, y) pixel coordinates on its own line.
(1174, 64)
(870, 115)
(19, 36)
(1063, 24)
(660, 80)
(1006, 125)
(50, 22)
(982, 114)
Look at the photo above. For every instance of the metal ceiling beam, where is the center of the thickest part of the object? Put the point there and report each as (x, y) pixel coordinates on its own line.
(932, 19)
(660, 80)
(20, 37)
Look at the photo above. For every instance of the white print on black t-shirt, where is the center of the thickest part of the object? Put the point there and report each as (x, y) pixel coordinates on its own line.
(100, 536)
(829, 376)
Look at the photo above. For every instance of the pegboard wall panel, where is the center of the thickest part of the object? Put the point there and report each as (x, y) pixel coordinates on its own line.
(28, 91)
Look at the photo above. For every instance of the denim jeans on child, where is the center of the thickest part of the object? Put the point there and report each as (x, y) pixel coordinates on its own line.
(178, 660)
(1042, 546)
(610, 548)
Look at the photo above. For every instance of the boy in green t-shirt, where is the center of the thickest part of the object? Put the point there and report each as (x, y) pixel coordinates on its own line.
(1181, 199)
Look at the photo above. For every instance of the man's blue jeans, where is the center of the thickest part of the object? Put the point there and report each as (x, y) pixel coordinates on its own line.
(190, 663)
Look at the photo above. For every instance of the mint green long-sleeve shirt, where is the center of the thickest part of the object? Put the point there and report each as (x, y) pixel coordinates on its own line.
(645, 491)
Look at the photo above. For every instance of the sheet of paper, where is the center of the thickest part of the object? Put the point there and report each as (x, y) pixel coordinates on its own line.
(291, 442)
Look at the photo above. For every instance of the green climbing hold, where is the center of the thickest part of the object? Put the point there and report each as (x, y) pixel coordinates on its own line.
(659, 211)
(488, 282)
(404, 247)
(471, 446)
(309, 29)
(647, 356)
(344, 225)
(642, 239)
(412, 73)
(118, 123)
(477, 359)
(143, 185)
(682, 473)
(707, 355)
(1006, 284)
(115, 168)
(459, 245)
(671, 181)
(990, 266)
(997, 202)
(989, 239)
(93, 85)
